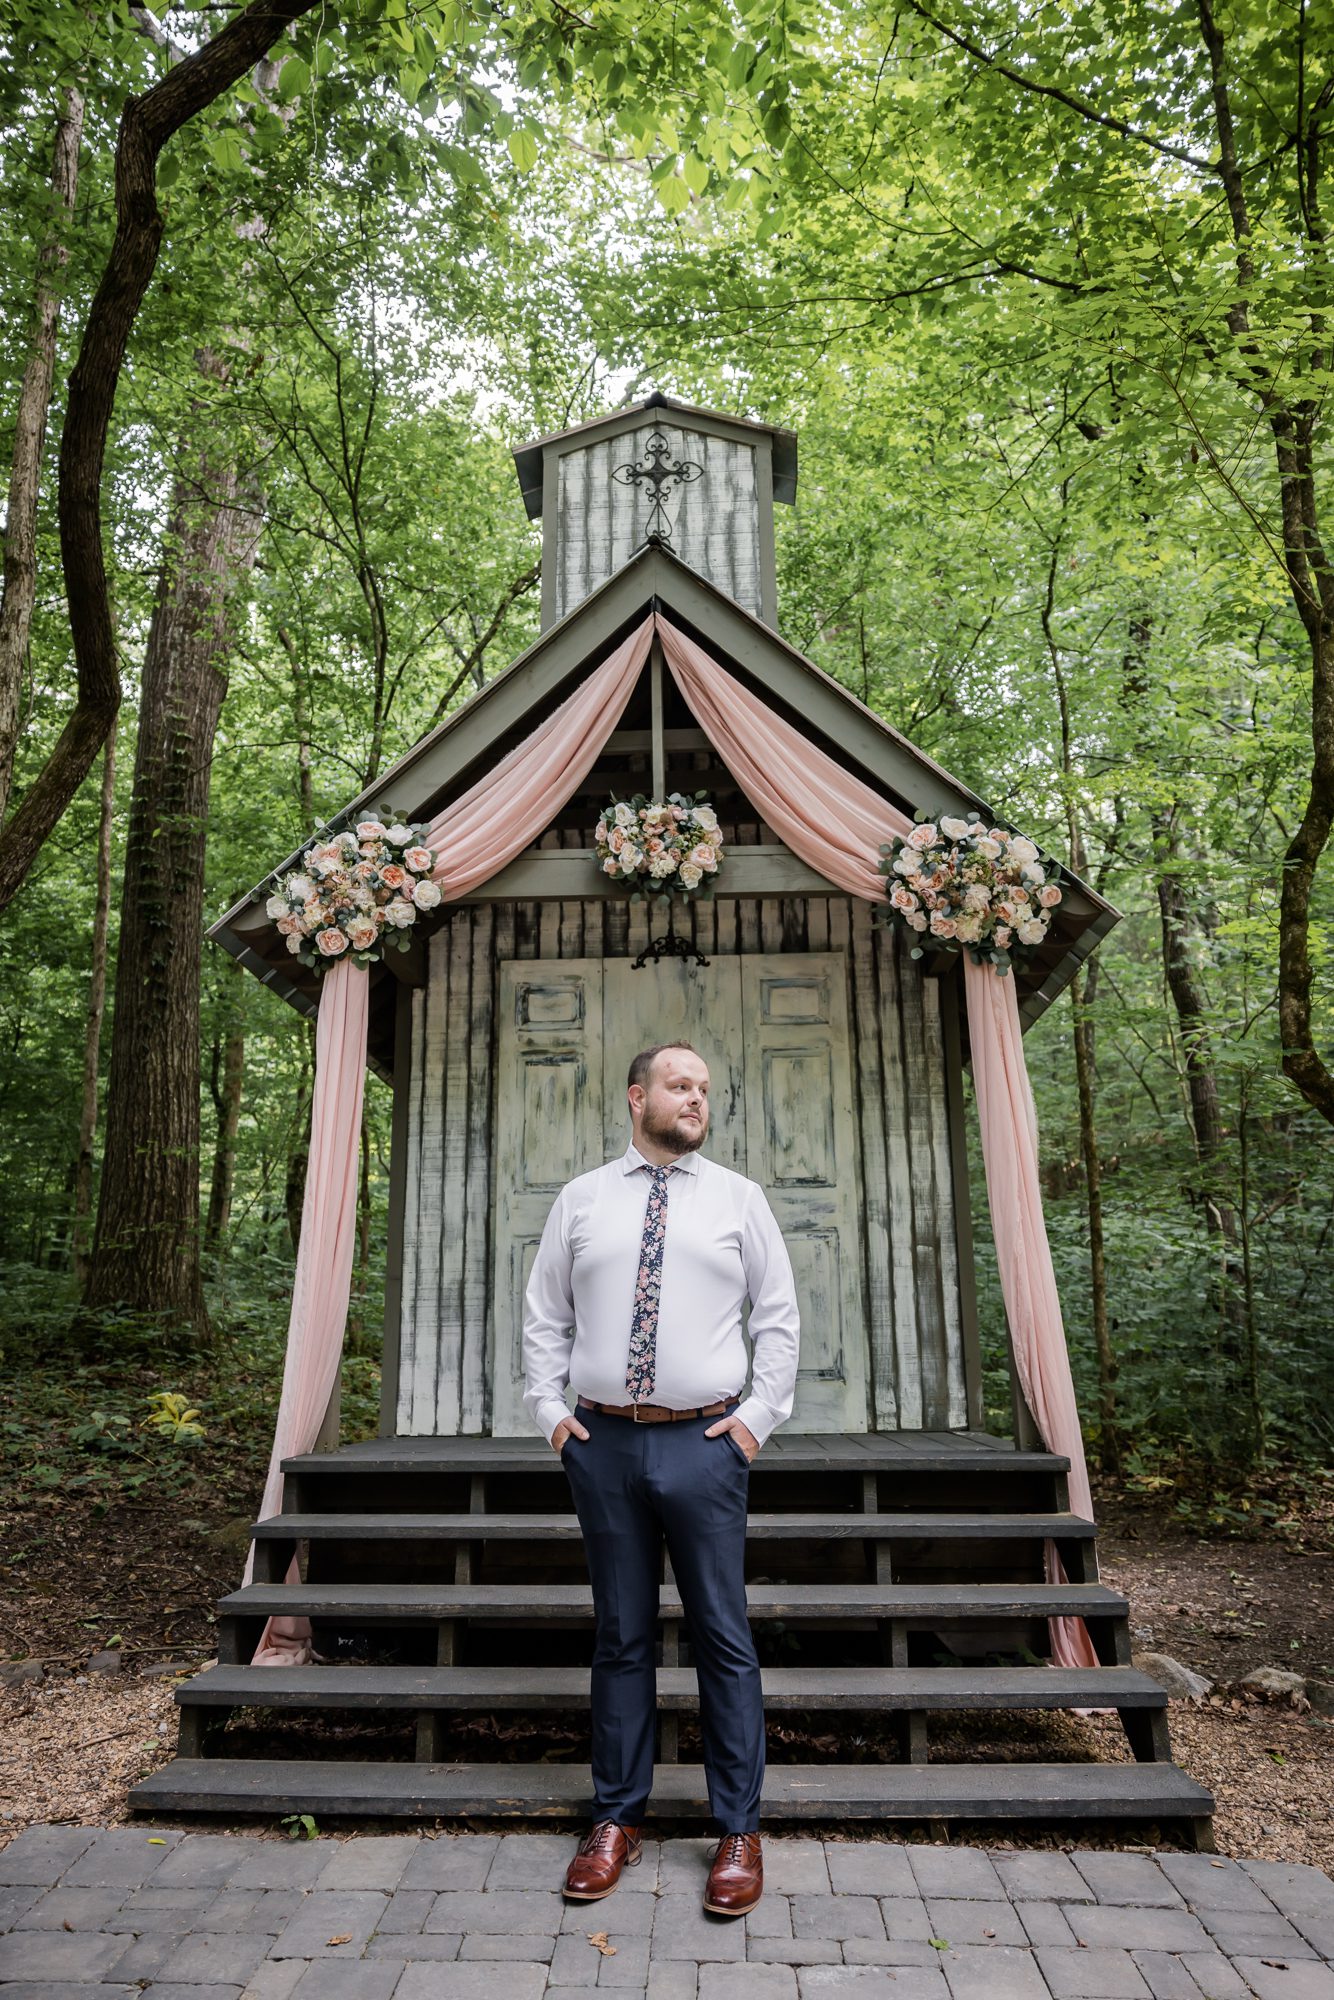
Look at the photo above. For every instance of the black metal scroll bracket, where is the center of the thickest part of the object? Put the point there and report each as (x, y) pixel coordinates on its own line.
(670, 945)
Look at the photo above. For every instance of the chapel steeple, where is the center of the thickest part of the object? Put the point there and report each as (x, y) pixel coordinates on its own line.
(701, 483)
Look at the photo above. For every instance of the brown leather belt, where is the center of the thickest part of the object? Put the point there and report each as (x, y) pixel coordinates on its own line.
(657, 1413)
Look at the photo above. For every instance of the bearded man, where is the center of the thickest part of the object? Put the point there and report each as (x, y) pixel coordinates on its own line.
(635, 1301)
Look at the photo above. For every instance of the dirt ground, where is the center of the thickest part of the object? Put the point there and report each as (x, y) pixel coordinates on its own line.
(142, 1580)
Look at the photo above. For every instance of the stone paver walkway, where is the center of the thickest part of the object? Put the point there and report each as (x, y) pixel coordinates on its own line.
(201, 1916)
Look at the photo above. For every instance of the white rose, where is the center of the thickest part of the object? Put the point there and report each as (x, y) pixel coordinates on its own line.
(625, 815)
(400, 914)
(1032, 930)
(402, 836)
(276, 907)
(1023, 850)
(600, 830)
(426, 895)
(706, 818)
(295, 942)
(908, 862)
(987, 847)
(300, 888)
(1035, 874)
(954, 829)
(691, 875)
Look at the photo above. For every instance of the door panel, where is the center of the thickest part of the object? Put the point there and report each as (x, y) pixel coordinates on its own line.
(773, 1029)
(801, 1143)
(701, 1004)
(548, 1128)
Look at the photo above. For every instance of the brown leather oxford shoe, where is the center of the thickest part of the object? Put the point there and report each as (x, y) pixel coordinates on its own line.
(736, 1879)
(596, 1868)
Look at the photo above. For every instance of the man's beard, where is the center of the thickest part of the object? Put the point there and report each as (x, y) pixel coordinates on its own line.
(663, 1132)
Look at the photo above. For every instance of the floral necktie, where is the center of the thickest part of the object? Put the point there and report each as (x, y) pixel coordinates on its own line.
(640, 1370)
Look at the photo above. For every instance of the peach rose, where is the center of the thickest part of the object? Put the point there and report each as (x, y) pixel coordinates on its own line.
(331, 942)
(362, 933)
(943, 926)
(1003, 935)
(1049, 896)
(393, 877)
(922, 836)
(371, 829)
(290, 926)
(420, 860)
(902, 898)
(917, 918)
(702, 856)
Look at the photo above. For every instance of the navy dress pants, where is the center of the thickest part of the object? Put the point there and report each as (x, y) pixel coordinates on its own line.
(633, 1486)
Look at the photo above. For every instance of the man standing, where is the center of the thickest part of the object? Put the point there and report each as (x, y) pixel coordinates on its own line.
(635, 1299)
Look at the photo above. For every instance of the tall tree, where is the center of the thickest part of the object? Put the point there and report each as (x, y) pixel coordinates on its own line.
(19, 590)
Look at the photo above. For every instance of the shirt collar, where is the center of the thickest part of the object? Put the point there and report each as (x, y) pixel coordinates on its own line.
(634, 1159)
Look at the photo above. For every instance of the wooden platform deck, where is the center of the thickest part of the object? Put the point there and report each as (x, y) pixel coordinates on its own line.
(898, 1578)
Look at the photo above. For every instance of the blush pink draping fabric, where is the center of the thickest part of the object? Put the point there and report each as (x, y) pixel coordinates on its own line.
(1028, 1282)
(836, 823)
(517, 799)
(476, 835)
(323, 1261)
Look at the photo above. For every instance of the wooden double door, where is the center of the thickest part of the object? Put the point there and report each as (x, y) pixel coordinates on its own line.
(773, 1029)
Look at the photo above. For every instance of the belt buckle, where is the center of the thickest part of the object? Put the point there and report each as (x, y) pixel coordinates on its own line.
(635, 1409)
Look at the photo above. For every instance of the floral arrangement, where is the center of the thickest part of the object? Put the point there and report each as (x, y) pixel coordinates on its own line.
(358, 892)
(661, 845)
(963, 883)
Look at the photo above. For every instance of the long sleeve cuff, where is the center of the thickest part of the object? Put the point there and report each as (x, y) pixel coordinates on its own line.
(548, 1414)
(758, 1418)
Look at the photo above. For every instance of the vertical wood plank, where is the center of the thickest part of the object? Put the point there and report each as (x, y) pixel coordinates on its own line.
(907, 1371)
(478, 1185)
(454, 1177)
(880, 1220)
(399, 1177)
(417, 1398)
(931, 1350)
(943, 1228)
(412, 1209)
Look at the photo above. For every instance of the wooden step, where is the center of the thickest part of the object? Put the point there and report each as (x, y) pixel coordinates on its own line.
(425, 1603)
(564, 1527)
(1149, 1792)
(872, 1451)
(932, 1690)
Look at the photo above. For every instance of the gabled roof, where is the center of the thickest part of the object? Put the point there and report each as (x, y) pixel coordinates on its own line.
(452, 755)
(529, 457)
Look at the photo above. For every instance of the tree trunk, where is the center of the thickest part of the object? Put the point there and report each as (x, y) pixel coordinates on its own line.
(146, 1254)
(298, 1160)
(20, 560)
(147, 122)
(97, 998)
(1109, 1442)
(227, 1070)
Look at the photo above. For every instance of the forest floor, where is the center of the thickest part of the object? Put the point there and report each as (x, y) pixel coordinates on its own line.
(127, 1560)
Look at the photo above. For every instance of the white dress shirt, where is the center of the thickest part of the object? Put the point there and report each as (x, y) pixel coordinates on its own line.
(722, 1245)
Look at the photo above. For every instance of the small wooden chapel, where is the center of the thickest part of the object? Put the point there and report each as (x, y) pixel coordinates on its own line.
(908, 1569)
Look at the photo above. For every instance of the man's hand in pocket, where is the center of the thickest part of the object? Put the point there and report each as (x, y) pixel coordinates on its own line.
(748, 1442)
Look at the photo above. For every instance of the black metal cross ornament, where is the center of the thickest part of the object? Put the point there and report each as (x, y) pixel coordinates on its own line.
(664, 474)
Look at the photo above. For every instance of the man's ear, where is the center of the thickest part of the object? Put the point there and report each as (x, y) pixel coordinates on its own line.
(635, 1098)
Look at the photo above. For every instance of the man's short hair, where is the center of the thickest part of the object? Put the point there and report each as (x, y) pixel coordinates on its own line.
(642, 1064)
